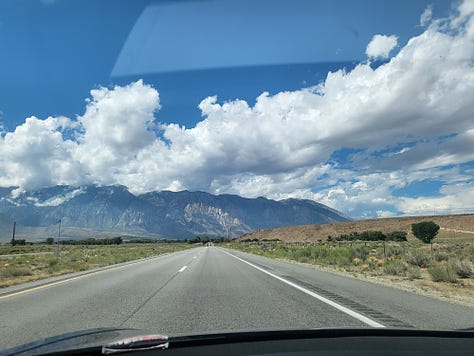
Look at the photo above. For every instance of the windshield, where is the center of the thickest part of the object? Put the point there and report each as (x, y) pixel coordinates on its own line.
(206, 166)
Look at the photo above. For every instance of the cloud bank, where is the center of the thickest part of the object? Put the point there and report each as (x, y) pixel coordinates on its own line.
(349, 142)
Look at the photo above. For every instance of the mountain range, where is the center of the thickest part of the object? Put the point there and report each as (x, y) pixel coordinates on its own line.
(86, 211)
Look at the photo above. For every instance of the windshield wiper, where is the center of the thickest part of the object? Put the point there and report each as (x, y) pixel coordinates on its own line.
(136, 343)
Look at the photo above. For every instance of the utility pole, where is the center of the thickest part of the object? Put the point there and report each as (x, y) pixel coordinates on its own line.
(227, 225)
(59, 237)
(13, 242)
(227, 230)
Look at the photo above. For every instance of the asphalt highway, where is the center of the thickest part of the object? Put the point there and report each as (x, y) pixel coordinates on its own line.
(208, 289)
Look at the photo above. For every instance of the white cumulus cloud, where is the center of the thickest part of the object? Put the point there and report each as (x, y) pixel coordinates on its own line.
(37, 155)
(425, 17)
(115, 128)
(380, 46)
(405, 121)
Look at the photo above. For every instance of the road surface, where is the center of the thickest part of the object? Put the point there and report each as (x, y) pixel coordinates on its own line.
(212, 289)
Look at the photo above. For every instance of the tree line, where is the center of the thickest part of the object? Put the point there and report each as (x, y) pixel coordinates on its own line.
(205, 239)
(90, 241)
(371, 235)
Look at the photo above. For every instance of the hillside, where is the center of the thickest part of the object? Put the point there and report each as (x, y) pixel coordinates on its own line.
(451, 225)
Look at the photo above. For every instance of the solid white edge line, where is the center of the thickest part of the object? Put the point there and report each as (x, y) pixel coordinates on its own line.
(182, 269)
(339, 307)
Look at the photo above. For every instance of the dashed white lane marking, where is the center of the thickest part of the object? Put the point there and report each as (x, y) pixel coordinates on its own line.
(85, 275)
(182, 269)
(194, 257)
(339, 307)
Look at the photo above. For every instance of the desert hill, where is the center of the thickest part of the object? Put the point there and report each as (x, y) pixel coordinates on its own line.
(450, 226)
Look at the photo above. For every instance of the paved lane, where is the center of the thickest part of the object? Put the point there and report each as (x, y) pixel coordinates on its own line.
(392, 307)
(218, 292)
(106, 298)
(208, 289)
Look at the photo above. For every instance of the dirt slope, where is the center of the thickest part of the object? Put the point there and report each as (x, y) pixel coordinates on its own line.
(451, 226)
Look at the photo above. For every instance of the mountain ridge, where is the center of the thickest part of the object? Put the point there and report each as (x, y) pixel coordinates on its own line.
(166, 214)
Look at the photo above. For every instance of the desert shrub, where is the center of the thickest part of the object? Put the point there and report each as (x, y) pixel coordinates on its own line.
(305, 251)
(442, 273)
(281, 250)
(303, 259)
(440, 256)
(463, 269)
(14, 271)
(395, 267)
(418, 257)
(319, 252)
(374, 262)
(413, 272)
(394, 250)
(340, 256)
(361, 252)
(469, 252)
(73, 258)
(20, 261)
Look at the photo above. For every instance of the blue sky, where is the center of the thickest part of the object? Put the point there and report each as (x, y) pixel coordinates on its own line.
(174, 57)
(84, 44)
